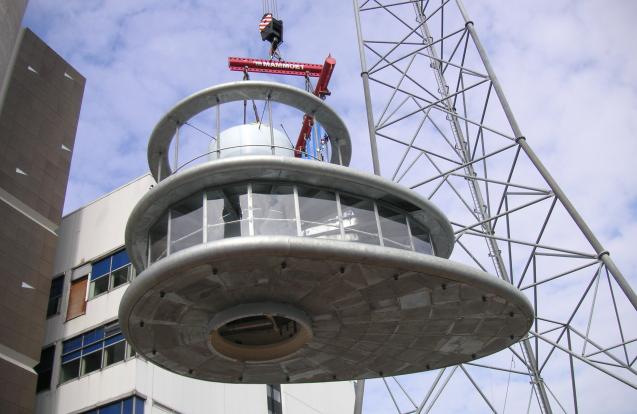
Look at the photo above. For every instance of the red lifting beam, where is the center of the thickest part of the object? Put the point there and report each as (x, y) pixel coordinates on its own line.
(274, 66)
(321, 91)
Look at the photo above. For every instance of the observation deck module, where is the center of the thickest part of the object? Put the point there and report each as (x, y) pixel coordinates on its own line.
(260, 267)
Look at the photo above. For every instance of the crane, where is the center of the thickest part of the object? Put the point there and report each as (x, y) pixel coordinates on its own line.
(271, 30)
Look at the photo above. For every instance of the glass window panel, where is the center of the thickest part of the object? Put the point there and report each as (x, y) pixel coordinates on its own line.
(45, 369)
(72, 344)
(139, 405)
(93, 336)
(114, 353)
(55, 296)
(114, 339)
(120, 259)
(91, 362)
(227, 213)
(394, 228)
(101, 268)
(112, 329)
(98, 287)
(114, 408)
(53, 307)
(158, 238)
(72, 355)
(359, 220)
(70, 370)
(57, 285)
(186, 223)
(420, 237)
(318, 213)
(120, 276)
(273, 210)
(92, 348)
(127, 406)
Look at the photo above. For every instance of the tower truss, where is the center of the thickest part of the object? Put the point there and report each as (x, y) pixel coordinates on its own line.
(438, 115)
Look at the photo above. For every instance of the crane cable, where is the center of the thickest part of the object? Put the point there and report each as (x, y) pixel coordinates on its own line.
(270, 6)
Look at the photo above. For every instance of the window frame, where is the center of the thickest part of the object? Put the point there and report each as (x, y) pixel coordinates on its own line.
(57, 297)
(87, 347)
(135, 399)
(109, 275)
(48, 371)
(410, 220)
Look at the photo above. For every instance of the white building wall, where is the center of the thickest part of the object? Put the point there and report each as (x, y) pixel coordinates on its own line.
(95, 231)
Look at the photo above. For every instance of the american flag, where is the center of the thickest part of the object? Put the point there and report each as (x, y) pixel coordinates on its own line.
(267, 18)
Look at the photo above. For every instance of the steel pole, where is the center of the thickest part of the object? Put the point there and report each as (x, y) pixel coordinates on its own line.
(602, 253)
(359, 390)
(368, 98)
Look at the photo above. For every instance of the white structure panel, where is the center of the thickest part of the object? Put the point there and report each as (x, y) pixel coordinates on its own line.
(97, 228)
(326, 397)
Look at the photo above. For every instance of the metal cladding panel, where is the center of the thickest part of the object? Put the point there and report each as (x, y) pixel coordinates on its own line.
(37, 127)
(38, 120)
(11, 13)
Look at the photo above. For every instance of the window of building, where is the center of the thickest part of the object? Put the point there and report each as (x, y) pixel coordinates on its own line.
(55, 296)
(109, 273)
(93, 350)
(130, 405)
(274, 399)
(45, 369)
(77, 298)
(263, 208)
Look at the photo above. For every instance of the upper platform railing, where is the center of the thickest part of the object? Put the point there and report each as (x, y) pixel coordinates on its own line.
(167, 129)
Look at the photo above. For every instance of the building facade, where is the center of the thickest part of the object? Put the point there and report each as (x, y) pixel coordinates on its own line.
(40, 99)
(91, 368)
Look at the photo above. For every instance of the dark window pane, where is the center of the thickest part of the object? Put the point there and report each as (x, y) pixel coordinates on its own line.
(120, 276)
(318, 213)
(114, 353)
(114, 408)
(359, 220)
(186, 223)
(98, 287)
(393, 225)
(420, 237)
(127, 406)
(120, 259)
(158, 238)
(72, 344)
(70, 356)
(57, 286)
(70, 370)
(93, 336)
(139, 405)
(112, 329)
(45, 369)
(273, 210)
(101, 268)
(53, 307)
(114, 339)
(91, 362)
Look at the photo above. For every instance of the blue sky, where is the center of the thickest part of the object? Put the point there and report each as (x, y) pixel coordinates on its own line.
(569, 69)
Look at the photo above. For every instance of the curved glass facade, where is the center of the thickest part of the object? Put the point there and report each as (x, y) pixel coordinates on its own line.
(257, 209)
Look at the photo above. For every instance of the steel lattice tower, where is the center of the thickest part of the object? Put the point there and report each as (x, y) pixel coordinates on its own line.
(439, 117)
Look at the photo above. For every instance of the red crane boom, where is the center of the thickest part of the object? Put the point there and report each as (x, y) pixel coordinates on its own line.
(321, 91)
